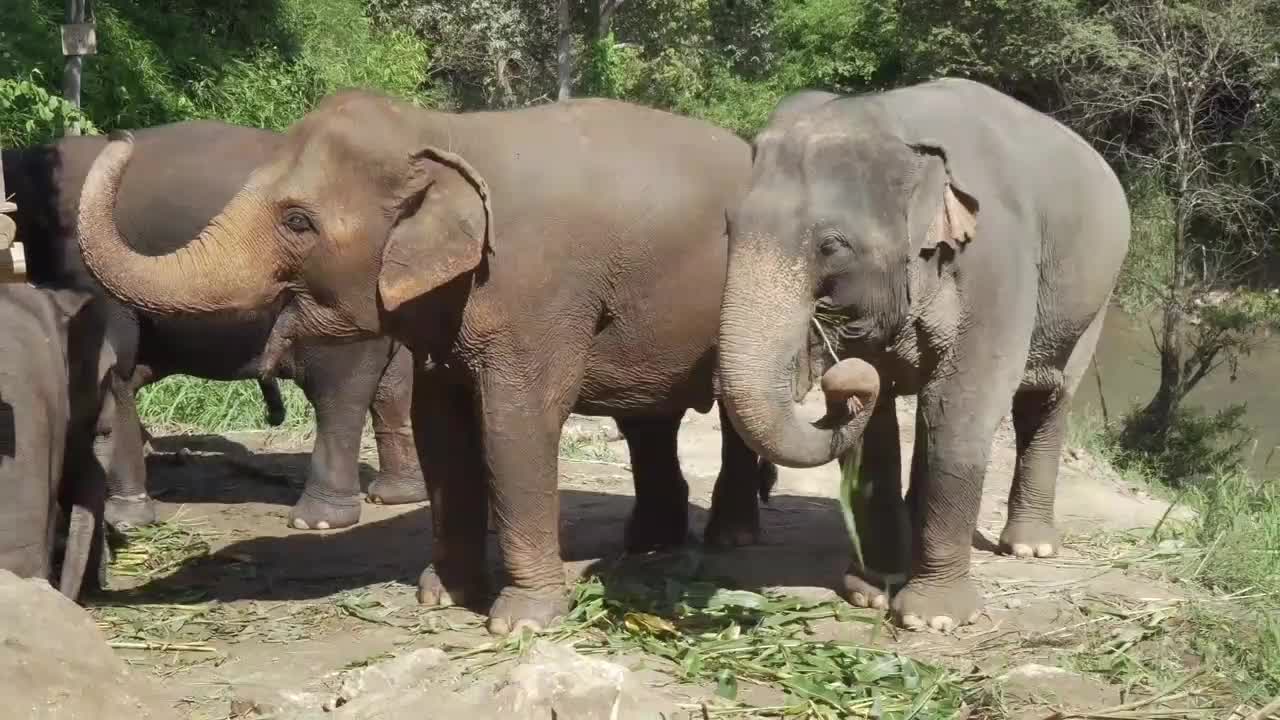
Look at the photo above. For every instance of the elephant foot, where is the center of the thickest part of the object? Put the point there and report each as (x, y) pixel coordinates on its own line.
(434, 592)
(397, 489)
(868, 588)
(517, 609)
(732, 527)
(650, 530)
(1029, 538)
(941, 607)
(130, 511)
(320, 510)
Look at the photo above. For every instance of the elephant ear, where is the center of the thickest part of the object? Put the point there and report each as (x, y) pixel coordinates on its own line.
(941, 210)
(444, 226)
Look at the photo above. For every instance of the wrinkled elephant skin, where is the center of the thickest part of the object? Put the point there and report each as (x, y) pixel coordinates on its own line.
(50, 401)
(567, 257)
(966, 247)
(183, 174)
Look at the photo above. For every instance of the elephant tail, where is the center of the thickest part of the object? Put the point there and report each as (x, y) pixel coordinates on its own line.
(75, 558)
(274, 400)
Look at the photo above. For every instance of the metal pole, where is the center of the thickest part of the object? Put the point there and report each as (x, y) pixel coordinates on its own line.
(78, 40)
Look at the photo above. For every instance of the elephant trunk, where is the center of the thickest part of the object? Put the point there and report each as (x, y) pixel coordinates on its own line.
(219, 270)
(75, 559)
(765, 318)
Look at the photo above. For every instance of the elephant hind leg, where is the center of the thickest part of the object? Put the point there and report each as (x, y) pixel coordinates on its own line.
(744, 476)
(1039, 423)
(1040, 426)
(399, 479)
(660, 518)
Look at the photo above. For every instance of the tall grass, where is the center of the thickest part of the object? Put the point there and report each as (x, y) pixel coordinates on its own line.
(1230, 546)
(182, 404)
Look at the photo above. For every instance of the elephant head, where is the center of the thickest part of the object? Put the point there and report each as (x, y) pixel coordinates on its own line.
(353, 216)
(842, 199)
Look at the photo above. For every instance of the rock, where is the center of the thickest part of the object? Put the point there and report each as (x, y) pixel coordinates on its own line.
(1036, 684)
(399, 674)
(555, 681)
(558, 679)
(260, 702)
(55, 664)
(549, 679)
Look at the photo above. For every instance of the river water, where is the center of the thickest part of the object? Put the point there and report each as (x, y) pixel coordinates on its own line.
(1130, 373)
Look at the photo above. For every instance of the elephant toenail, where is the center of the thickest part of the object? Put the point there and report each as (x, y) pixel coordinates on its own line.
(880, 602)
(1022, 551)
(1044, 550)
(941, 623)
(301, 524)
(912, 622)
(322, 525)
(499, 626)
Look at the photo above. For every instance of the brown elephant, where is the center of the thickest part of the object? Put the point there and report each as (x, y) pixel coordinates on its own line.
(566, 257)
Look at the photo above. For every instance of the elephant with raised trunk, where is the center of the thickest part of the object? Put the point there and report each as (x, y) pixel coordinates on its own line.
(968, 247)
(183, 174)
(559, 258)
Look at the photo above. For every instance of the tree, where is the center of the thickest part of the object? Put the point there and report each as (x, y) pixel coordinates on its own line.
(564, 53)
(1175, 93)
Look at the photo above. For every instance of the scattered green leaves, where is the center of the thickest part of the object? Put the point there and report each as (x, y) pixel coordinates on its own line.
(727, 638)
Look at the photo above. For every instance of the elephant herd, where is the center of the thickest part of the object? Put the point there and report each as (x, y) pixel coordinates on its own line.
(473, 278)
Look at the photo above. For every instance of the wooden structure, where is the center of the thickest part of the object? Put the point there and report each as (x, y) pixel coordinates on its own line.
(78, 39)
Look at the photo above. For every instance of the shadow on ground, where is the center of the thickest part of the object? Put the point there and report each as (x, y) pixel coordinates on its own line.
(804, 540)
(215, 469)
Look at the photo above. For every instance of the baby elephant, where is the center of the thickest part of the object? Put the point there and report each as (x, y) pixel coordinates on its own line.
(49, 408)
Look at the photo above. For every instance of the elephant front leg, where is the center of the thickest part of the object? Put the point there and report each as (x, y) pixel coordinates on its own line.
(118, 447)
(399, 479)
(884, 528)
(446, 432)
(735, 511)
(339, 381)
(521, 434)
(960, 420)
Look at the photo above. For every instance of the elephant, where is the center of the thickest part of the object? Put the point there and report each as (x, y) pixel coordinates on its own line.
(566, 257)
(964, 248)
(52, 381)
(185, 173)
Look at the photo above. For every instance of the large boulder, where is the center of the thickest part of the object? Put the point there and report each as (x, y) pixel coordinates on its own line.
(550, 681)
(56, 665)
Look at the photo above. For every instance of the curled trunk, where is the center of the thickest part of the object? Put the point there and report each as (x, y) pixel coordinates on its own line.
(218, 271)
(765, 320)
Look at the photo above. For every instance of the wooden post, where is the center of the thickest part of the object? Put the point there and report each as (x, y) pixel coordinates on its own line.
(78, 40)
(13, 262)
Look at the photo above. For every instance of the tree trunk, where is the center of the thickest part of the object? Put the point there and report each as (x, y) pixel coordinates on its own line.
(74, 64)
(563, 56)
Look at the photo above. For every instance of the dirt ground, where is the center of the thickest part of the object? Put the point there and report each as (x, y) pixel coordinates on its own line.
(311, 603)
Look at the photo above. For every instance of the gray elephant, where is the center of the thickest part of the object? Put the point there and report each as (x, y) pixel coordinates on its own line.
(558, 258)
(185, 173)
(50, 408)
(968, 246)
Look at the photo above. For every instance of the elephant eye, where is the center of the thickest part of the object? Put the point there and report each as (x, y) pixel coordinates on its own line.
(831, 243)
(297, 221)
